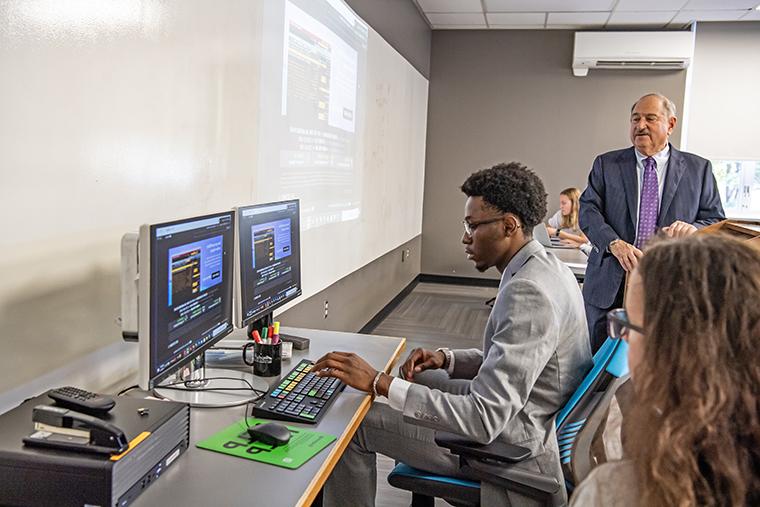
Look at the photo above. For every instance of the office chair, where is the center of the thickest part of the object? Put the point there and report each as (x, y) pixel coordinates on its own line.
(577, 423)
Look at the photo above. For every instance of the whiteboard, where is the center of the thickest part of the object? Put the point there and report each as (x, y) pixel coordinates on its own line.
(117, 114)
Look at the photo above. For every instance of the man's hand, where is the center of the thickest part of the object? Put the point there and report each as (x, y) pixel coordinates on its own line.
(421, 360)
(679, 229)
(627, 254)
(349, 368)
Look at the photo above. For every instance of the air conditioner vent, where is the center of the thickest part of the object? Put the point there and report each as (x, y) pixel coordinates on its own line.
(632, 50)
(662, 64)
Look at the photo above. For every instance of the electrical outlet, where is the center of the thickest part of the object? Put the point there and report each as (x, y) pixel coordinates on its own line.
(326, 308)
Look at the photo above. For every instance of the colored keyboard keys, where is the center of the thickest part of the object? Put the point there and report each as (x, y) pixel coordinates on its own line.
(301, 396)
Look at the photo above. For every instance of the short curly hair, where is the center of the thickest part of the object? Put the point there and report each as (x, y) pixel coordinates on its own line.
(510, 188)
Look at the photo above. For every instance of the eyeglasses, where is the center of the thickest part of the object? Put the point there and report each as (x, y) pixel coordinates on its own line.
(469, 227)
(618, 325)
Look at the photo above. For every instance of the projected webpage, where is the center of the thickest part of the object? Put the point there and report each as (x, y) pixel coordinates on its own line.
(313, 84)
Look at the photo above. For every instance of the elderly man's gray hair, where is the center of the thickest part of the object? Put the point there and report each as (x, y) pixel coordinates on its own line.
(667, 104)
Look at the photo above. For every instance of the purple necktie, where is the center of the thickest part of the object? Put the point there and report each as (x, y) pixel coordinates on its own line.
(649, 205)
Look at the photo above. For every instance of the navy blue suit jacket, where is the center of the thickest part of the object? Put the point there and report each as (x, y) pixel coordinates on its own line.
(609, 204)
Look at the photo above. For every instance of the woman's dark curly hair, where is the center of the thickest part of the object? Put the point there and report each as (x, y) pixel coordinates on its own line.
(510, 188)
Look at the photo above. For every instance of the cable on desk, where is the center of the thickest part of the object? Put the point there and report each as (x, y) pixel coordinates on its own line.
(126, 390)
(245, 413)
(184, 383)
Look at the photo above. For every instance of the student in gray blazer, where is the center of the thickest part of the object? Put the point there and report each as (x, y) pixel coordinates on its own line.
(535, 353)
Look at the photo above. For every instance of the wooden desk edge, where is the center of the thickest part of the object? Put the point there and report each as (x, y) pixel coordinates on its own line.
(332, 459)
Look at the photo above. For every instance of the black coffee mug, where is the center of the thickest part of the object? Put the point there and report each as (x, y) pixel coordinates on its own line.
(267, 358)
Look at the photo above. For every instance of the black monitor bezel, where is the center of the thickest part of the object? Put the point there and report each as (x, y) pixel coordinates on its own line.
(239, 300)
(153, 378)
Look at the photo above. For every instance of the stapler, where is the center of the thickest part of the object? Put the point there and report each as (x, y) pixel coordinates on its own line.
(65, 429)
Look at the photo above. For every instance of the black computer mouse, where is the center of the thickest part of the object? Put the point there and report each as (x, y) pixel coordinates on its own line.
(273, 434)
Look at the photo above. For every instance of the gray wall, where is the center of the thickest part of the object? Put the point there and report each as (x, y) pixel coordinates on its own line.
(356, 298)
(402, 26)
(510, 95)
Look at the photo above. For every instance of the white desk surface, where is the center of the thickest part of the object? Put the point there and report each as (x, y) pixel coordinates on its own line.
(201, 477)
(573, 258)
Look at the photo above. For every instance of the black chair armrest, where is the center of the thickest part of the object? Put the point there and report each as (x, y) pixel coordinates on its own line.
(514, 478)
(498, 452)
(498, 463)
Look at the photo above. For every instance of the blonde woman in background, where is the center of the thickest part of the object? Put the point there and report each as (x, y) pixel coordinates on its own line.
(564, 223)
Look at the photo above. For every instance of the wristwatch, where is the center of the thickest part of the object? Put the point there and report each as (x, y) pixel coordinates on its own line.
(447, 357)
(557, 233)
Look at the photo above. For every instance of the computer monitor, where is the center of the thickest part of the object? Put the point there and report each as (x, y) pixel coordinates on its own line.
(184, 292)
(268, 267)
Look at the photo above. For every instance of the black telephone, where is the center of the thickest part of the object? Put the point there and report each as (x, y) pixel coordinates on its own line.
(62, 428)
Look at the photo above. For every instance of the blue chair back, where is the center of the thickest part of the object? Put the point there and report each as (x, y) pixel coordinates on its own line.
(586, 409)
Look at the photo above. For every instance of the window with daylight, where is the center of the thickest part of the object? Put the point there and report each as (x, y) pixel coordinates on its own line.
(739, 186)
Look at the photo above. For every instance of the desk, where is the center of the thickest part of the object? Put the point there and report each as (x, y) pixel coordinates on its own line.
(202, 477)
(573, 258)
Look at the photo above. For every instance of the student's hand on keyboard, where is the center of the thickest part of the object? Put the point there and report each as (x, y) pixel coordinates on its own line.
(347, 367)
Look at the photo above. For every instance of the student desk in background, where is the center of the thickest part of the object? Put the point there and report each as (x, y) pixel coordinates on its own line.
(572, 258)
(201, 477)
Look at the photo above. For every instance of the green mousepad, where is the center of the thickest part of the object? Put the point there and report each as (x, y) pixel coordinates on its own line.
(303, 445)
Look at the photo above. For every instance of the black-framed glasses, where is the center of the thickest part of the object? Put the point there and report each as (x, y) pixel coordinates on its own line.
(618, 325)
(469, 227)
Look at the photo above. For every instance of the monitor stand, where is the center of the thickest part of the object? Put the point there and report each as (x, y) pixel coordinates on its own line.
(203, 387)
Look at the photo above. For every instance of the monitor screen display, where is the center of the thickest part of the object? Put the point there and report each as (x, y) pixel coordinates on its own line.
(191, 267)
(269, 258)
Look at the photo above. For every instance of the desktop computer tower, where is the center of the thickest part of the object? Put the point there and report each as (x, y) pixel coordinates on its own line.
(48, 477)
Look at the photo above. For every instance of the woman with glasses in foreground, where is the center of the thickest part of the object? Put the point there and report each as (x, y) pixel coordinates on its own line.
(692, 322)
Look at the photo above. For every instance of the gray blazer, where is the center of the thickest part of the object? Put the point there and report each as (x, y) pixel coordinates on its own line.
(535, 353)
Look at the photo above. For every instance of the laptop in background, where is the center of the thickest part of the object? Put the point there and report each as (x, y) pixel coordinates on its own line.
(542, 235)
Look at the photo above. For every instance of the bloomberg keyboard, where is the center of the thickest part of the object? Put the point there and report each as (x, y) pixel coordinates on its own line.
(301, 396)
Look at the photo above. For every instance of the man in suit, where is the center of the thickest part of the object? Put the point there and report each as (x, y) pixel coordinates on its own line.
(535, 353)
(633, 192)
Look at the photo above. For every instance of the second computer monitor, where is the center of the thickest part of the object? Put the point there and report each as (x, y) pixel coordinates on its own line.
(268, 259)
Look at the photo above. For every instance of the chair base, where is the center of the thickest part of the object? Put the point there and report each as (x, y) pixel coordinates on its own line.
(425, 487)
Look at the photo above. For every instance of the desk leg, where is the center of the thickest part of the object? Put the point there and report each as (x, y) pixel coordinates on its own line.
(317, 500)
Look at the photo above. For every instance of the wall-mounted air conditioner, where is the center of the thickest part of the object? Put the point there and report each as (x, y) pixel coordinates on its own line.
(632, 50)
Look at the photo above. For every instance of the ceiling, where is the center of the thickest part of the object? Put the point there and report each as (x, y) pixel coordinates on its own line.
(581, 14)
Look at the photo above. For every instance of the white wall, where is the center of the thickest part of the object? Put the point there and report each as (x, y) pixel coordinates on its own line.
(116, 114)
(722, 116)
(724, 110)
